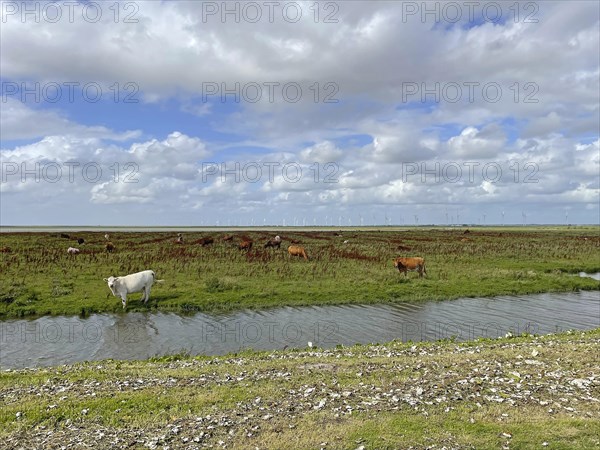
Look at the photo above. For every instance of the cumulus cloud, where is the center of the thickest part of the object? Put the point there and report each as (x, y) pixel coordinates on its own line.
(18, 121)
(527, 102)
(474, 143)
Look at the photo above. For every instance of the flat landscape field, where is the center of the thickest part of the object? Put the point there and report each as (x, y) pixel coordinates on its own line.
(38, 276)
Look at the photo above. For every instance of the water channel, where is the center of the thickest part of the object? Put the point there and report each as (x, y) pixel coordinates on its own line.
(58, 340)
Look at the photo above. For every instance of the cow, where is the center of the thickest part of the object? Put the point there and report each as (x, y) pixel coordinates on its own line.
(136, 282)
(245, 245)
(5, 250)
(72, 251)
(65, 236)
(406, 264)
(205, 241)
(81, 241)
(228, 237)
(109, 247)
(296, 250)
(179, 238)
(275, 242)
(107, 237)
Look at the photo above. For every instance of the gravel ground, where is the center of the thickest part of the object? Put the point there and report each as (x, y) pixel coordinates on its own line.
(511, 373)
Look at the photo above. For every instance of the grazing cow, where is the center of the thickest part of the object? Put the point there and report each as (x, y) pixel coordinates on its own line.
(346, 241)
(136, 282)
(5, 250)
(467, 231)
(72, 251)
(228, 237)
(296, 250)
(107, 237)
(109, 247)
(275, 242)
(65, 236)
(179, 238)
(245, 245)
(205, 241)
(406, 264)
(81, 241)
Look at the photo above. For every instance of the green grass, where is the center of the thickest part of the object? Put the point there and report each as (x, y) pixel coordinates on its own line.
(38, 277)
(479, 394)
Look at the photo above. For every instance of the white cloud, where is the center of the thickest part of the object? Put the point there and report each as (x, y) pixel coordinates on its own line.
(18, 121)
(474, 143)
(322, 152)
(546, 116)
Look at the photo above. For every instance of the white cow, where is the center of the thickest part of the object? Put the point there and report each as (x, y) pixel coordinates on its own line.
(136, 282)
(72, 251)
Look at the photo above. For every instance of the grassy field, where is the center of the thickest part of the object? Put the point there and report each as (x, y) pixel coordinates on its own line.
(515, 392)
(38, 277)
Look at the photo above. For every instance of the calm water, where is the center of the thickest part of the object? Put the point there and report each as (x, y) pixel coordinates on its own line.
(60, 340)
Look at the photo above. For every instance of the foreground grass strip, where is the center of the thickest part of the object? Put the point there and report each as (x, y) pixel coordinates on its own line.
(515, 392)
(38, 277)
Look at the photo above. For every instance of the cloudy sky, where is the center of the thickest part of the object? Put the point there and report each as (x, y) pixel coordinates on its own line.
(299, 113)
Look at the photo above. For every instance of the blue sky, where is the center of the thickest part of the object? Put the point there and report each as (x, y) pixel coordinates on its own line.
(391, 106)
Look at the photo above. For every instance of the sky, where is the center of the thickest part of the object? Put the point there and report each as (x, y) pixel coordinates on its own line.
(200, 113)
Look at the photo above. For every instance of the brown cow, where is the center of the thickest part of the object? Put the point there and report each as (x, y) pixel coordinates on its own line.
(205, 241)
(229, 237)
(275, 242)
(245, 245)
(296, 250)
(406, 264)
(109, 247)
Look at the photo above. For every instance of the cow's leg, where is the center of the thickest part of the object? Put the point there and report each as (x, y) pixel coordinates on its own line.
(124, 300)
(420, 270)
(147, 291)
(145, 294)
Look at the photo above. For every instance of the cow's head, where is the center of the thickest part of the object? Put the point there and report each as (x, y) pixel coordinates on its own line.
(112, 284)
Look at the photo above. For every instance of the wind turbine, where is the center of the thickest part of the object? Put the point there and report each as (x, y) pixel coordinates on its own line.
(502, 217)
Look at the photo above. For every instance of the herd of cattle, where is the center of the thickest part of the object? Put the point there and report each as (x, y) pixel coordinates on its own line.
(142, 281)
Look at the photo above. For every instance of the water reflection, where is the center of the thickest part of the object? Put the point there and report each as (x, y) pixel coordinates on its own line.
(59, 340)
